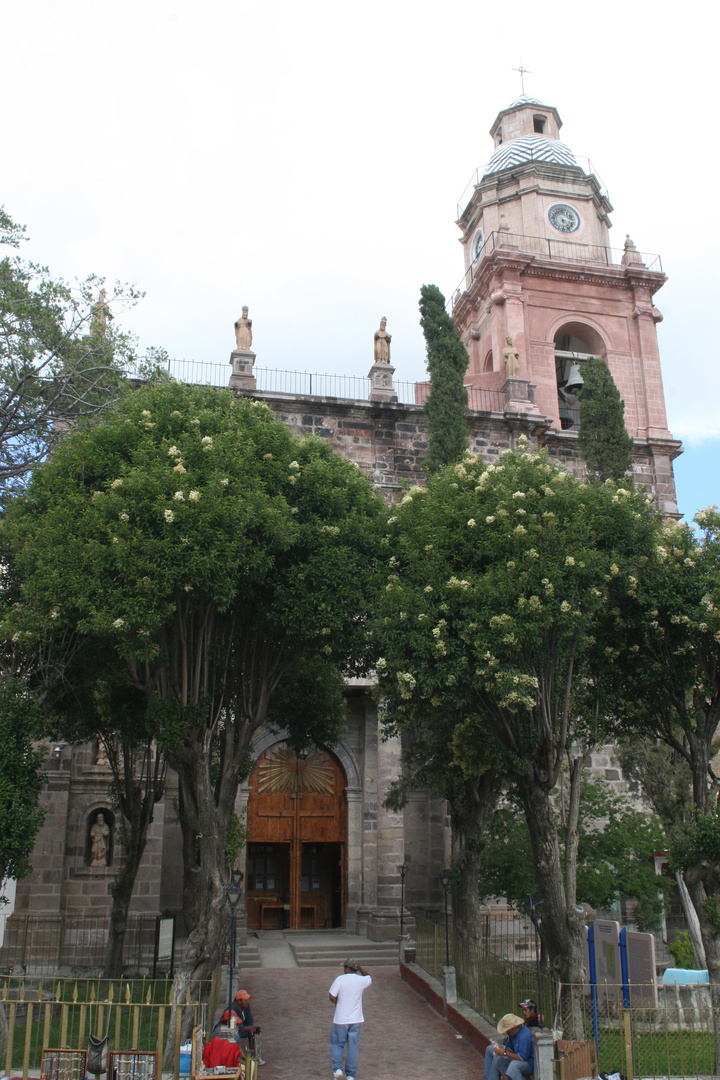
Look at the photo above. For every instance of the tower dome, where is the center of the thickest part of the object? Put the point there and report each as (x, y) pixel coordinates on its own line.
(529, 148)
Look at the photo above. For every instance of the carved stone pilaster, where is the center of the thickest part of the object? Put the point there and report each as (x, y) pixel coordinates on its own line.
(381, 383)
(242, 376)
(519, 397)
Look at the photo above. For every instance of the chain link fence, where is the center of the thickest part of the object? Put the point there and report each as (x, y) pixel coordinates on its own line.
(643, 1031)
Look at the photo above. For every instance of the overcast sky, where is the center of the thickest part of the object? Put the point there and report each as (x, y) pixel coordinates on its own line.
(306, 160)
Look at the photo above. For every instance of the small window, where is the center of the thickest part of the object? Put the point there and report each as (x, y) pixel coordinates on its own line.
(539, 125)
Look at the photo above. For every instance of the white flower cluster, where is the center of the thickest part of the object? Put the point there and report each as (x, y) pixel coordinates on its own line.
(457, 583)
(407, 684)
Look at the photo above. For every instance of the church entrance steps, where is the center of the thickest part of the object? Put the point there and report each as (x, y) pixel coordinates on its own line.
(248, 956)
(331, 949)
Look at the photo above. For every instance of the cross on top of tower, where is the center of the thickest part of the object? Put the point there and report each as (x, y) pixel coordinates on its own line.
(523, 71)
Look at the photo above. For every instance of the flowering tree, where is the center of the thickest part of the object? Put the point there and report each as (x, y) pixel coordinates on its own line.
(214, 552)
(497, 619)
(672, 672)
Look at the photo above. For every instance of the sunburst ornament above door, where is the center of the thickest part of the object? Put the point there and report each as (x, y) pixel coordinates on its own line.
(284, 771)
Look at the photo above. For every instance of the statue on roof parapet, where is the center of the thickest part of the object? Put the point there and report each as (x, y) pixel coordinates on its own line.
(242, 357)
(243, 332)
(382, 343)
(382, 371)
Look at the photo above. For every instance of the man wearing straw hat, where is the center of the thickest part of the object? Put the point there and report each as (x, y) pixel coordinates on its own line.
(516, 1059)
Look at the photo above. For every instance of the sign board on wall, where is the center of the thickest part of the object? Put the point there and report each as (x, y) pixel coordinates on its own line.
(641, 972)
(608, 967)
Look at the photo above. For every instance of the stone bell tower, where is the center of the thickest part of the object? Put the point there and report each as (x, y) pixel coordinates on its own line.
(543, 289)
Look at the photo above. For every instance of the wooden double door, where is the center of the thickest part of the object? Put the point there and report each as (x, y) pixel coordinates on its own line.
(297, 836)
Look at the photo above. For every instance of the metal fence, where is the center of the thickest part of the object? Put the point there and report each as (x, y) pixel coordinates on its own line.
(321, 385)
(60, 1014)
(671, 1033)
(41, 945)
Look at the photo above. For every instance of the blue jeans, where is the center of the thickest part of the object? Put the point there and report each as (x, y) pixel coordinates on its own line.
(341, 1034)
(497, 1066)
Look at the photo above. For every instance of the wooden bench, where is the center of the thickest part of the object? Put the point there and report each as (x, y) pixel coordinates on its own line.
(577, 1059)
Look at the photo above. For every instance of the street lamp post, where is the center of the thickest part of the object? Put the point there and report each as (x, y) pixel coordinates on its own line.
(445, 882)
(233, 892)
(533, 903)
(403, 868)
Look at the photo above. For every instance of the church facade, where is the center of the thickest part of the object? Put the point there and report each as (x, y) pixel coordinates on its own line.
(543, 290)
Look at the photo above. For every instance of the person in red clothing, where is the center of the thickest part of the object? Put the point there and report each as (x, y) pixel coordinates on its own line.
(221, 1052)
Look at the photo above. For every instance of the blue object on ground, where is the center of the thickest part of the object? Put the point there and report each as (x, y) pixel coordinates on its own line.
(684, 977)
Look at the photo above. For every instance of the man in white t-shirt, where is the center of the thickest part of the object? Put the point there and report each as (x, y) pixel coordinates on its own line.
(346, 995)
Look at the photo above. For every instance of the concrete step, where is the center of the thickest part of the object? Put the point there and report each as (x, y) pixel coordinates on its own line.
(319, 954)
(248, 956)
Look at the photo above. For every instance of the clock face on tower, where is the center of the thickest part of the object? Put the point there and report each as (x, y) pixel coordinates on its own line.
(477, 245)
(563, 218)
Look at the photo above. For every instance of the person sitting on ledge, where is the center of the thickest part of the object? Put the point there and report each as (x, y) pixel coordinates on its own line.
(516, 1059)
(247, 1028)
(529, 1011)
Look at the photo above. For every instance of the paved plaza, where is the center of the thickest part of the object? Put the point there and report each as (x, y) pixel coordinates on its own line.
(402, 1036)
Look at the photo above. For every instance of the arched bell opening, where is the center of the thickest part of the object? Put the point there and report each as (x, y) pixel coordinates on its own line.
(575, 343)
(296, 869)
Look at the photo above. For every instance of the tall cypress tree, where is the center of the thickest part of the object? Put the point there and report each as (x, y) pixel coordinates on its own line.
(447, 362)
(604, 443)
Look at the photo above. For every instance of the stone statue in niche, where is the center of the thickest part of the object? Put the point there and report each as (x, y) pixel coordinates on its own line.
(512, 359)
(99, 841)
(382, 343)
(102, 758)
(243, 332)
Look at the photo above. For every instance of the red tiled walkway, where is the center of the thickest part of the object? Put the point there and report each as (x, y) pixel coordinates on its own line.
(402, 1038)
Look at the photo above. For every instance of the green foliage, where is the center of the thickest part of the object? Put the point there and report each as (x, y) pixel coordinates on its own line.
(61, 356)
(661, 776)
(499, 584)
(447, 362)
(186, 497)
(604, 442)
(682, 951)
(236, 837)
(20, 778)
(498, 621)
(616, 845)
(212, 560)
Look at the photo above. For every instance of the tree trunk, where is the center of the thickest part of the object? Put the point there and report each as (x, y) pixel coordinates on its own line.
(691, 919)
(122, 892)
(468, 841)
(137, 795)
(562, 921)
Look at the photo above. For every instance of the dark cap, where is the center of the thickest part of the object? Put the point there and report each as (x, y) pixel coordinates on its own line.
(528, 1003)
